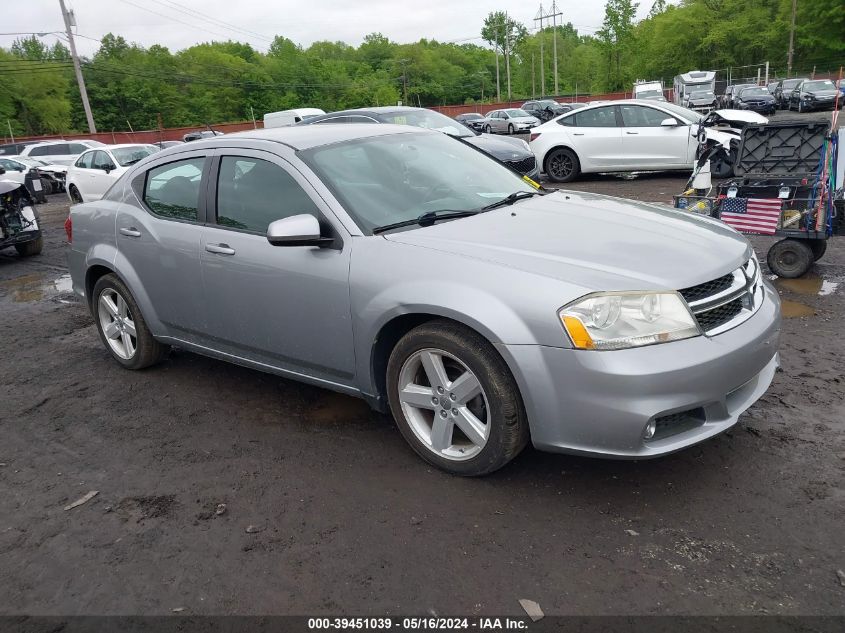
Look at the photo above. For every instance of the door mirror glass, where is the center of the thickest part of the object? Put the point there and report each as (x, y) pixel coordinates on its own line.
(296, 230)
(670, 122)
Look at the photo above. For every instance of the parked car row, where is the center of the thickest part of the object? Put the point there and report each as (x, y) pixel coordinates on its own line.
(798, 93)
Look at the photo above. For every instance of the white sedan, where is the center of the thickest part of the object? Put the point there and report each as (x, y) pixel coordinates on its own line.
(97, 169)
(52, 177)
(623, 136)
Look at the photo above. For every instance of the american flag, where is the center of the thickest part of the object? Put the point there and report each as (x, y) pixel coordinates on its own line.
(751, 215)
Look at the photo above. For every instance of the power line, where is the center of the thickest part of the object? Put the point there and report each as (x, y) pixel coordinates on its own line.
(199, 16)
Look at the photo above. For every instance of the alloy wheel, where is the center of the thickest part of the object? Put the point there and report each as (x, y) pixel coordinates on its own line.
(117, 324)
(444, 404)
(561, 165)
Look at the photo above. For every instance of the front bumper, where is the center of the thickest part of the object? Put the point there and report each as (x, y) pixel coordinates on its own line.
(599, 403)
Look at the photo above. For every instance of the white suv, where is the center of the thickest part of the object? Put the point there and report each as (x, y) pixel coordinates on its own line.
(59, 152)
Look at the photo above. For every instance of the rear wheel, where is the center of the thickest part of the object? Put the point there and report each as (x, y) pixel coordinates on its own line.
(790, 258)
(74, 194)
(121, 326)
(28, 249)
(454, 399)
(562, 165)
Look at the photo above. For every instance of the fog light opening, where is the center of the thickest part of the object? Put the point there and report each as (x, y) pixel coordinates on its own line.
(650, 429)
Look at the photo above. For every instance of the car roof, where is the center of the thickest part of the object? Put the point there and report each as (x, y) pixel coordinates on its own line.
(301, 137)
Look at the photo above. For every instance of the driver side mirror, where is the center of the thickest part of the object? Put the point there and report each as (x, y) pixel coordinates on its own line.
(297, 230)
(2, 171)
(670, 122)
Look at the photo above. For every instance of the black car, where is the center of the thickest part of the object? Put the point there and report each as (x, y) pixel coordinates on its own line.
(813, 94)
(472, 120)
(729, 97)
(784, 89)
(513, 152)
(544, 109)
(756, 99)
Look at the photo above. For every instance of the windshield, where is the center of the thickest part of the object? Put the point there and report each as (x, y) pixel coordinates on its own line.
(95, 144)
(130, 155)
(386, 179)
(470, 117)
(819, 85)
(31, 162)
(554, 105)
(643, 94)
(791, 83)
(517, 112)
(753, 92)
(429, 120)
(687, 115)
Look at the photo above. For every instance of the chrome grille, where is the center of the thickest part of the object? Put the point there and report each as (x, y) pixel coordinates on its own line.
(727, 301)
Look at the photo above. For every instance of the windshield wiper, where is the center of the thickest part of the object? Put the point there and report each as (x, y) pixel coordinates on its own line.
(510, 199)
(426, 219)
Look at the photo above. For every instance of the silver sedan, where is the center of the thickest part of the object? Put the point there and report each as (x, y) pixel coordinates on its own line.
(510, 121)
(409, 269)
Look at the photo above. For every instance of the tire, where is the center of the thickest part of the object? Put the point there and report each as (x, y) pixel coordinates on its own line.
(562, 165)
(493, 411)
(487, 129)
(74, 194)
(28, 249)
(510, 129)
(146, 350)
(800, 106)
(790, 258)
(818, 247)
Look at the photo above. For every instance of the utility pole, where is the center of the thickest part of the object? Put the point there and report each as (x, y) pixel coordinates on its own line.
(540, 17)
(553, 16)
(508, 53)
(498, 87)
(70, 20)
(404, 81)
(533, 84)
(767, 74)
(791, 40)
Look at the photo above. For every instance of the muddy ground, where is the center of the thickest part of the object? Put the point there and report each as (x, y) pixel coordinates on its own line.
(347, 520)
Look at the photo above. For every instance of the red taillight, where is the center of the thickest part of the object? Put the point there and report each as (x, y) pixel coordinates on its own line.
(534, 137)
(69, 229)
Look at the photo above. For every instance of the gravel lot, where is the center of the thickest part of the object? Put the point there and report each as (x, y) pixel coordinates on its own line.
(347, 520)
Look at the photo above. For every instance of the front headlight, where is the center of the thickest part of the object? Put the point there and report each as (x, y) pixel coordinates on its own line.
(621, 320)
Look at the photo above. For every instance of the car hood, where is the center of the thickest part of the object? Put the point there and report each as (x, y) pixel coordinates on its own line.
(740, 117)
(593, 241)
(822, 93)
(500, 148)
(757, 98)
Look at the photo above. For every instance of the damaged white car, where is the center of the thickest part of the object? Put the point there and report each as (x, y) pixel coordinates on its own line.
(633, 135)
(18, 219)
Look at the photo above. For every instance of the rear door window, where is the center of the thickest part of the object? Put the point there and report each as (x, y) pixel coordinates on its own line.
(596, 117)
(252, 193)
(173, 190)
(85, 161)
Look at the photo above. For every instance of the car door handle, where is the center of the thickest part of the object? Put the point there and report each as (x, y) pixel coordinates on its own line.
(130, 232)
(627, 132)
(577, 134)
(220, 249)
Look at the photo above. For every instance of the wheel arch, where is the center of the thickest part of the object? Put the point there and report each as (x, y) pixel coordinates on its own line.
(394, 329)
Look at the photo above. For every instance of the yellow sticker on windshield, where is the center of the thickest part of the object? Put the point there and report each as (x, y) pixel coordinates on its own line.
(536, 185)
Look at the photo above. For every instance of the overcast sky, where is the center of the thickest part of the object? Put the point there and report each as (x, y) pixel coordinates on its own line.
(178, 24)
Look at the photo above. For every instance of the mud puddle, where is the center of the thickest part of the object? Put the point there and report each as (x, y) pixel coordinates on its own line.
(36, 287)
(811, 284)
(795, 310)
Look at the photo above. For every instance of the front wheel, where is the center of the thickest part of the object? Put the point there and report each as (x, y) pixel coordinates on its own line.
(562, 165)
(454, 399)
(800, 106)
(790, 258)
(122, 327)
(487, 129)
(510, 129)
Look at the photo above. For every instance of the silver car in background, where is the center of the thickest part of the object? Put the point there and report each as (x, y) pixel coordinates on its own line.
(510, 121)
(403, 267)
